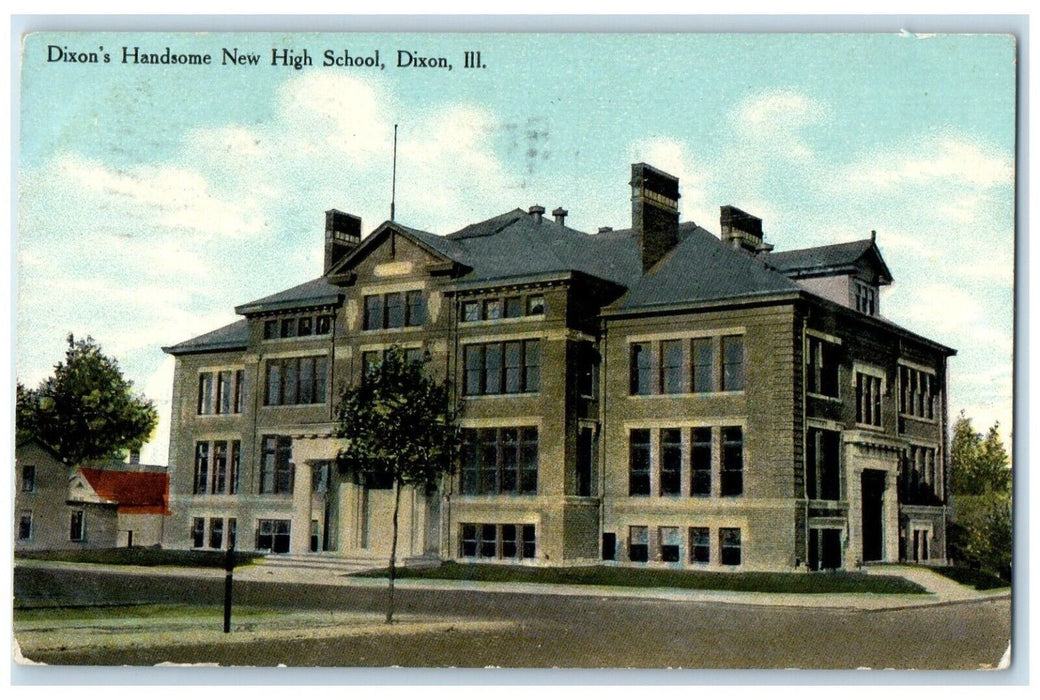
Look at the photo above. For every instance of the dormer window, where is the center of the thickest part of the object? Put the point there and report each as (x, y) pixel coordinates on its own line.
(865, 297)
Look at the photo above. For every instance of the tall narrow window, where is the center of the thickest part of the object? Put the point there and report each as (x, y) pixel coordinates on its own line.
(670, 544)
(733, 363)
(276, 468)
(373, 312)
(77, 526)
(700, 545)
(416, 308)
(220, 464)
(201, 481)
(823, 469)
(639, 369)
(732, 478)
(671, 367)
(236, 459)
(639, 463)
(510, 461)
(585, 457)
(671, 462)
(470, 462)
(28, 478)
(25, 530)
(216, 533)
(868, 399)
(703, 365)
(205, 393)
(473, 379)
(729, 545)
(821, 361)
(529, 462)
(240, 392)
(700, 462)
(394, 310)
(493, 369)
(198, 533)
(513, 367)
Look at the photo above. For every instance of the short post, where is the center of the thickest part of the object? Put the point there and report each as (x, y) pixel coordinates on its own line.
(229, 567)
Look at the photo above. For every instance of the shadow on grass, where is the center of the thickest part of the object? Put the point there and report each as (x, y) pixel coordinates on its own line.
(979, 580)
(139, 556)
(834, 582)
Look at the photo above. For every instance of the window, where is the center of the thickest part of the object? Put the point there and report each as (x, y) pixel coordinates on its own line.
(917, 393)
(584, 461)
(671, 462)
(639, 463)
(315, 536)
(201, 481)
(232, 532)
(536, 305)
(305, 326)
(512, 367)
(323, 325)
(25, 530)
(220, 464)
(514, 307)
(821, 367)
(823, 464)
(639, 369)
(273, 535)
(497, 541)
(733, 363)
(493, 309)
(216, 533)
(288, 329)
(729, 545)
(270, 329)
(700, 462)
(588, 359)
(221, 393)
(500, 461)
(416, 309)
(296, 381)
(298, 326)
(865, 298)
(77, 526)
(703, 365)
(609, 546)
(198, 533)
(236, 461)
(28, 478)
(471, 311)
(700, 545)
(671, 367)
(638, 543)
(276, 469)
(731, 481)
(868, 399)
(394, 310)
(670, 543)
(920, 481)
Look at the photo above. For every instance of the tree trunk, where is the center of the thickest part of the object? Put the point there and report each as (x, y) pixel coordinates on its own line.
(393, 555)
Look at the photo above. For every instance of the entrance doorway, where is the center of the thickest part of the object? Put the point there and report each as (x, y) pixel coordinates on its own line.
(873, 491)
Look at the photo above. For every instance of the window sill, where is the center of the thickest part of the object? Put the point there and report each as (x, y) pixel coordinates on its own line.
(207, 416)
(321, 404)
(484, 323)
(823, 397)
(313, 336)
(469, 397)
(689, 395)
(868, 426)
(395, 329)
(919, 419)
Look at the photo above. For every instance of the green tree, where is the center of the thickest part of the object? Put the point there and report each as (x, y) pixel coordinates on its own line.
(980, 483)
(399, 426)
(86, 410)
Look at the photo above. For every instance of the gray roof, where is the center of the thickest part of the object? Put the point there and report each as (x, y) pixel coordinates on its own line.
(317, 292)
(837, 256)
(233, 336)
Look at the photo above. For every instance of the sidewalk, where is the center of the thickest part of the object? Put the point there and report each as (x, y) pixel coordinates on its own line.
(941, 589)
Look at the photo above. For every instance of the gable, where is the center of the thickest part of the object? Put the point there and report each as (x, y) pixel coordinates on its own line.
(81, 491)
(394, 250)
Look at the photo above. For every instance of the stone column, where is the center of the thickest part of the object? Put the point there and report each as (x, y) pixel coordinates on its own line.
(890, 513)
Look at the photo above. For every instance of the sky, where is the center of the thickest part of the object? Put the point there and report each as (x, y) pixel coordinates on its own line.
(155, 198)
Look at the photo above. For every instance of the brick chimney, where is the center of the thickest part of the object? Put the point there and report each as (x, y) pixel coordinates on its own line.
(741, 230)
(342, 235)
(655, 212)
(559, 214)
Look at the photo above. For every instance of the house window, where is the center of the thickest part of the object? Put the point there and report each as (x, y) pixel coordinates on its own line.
(288, 329)
(28, 478)
(298, 326)
(493, 309)
(868, 399)
(323, 324)
(393, 305)
(671, 462)
(270, 329)
(198, 533)
(700, 462)
(25, 530)
(471, 311)
(296, 381)
(201, 481)
(917, 393)
(731, 481)
(514, 307)
(670, 544)
(77, 526)
(416, 309)
(236, 461)
(703, 365)
(733, 363)
(865, 297)
(536, 305)
(273, 536)
(638, 543)
(512, 367)
(220, 465)
(729, 546)
(221, 392)
(500, 461)
(373, 312)
(216, 533)
(305, 326)
(639, 463)
(639, 369)
(920, 482)
(276, 469)
(671, 367)
(821, 367)
(823, 464)
(700, 545)
(497, 541)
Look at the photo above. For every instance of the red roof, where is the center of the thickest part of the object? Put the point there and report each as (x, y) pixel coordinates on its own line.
(135, 492)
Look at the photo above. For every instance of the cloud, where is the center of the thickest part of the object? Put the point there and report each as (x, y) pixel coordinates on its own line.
(774, 123)
(946, 159)
(674, 157)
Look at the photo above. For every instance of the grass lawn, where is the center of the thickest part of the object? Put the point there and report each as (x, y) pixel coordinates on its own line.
(138, 557)
(979, 580)
(839, 582)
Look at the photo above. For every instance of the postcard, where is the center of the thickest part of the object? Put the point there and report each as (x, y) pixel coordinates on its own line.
(470, 350)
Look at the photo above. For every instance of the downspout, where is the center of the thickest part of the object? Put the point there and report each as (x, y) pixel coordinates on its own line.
(602, 441)
(805, 437)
